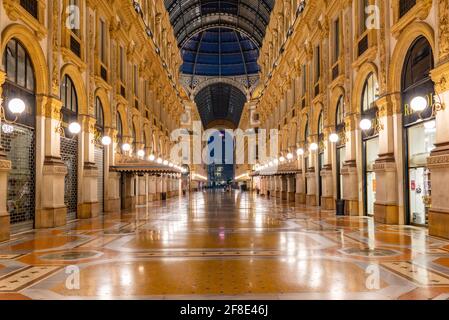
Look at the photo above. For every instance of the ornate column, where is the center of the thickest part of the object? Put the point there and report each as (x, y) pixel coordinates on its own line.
(151, 188)
(164, 183)
(291, 188)
(311, 176)
(5, 167)
(386, 208)
(262, 186)
(142, 190)
(89, 198)
(284, 187)
(51, 210)
(112, 178)
(349, 170)
(438, 162)
(278, 186)
(300, 196)
(326, 174)
(159, 187)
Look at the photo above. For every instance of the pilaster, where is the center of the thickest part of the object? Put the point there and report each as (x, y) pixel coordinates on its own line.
(438, 162)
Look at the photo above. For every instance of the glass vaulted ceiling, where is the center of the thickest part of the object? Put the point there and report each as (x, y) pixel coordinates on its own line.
(220, 52)
(189, 17)
(219, 38)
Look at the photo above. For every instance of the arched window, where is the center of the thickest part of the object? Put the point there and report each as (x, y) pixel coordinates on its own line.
(340, 113)
(20, 81)
(370, 92)
(320, 125)
(119, 131)
(416, 80)
(306, 130)
(68, 95)
(99, 115)
(134, 137)
(18, 66)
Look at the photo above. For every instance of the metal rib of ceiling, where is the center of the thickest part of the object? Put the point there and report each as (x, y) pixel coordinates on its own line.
(220, 101)
(189, 17)
(220, 38)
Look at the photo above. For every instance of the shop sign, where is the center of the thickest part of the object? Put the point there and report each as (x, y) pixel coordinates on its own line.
(411, 116)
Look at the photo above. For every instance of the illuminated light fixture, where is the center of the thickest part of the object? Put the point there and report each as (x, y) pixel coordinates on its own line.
(300, 151)
(165, 163)
(276, 161)
(313, 147)
(418, 104)
(151, 157)
(106, 140)
(290, 156)
(159, 160)
(16, 106)
(7, 129)
(74, 128)
(141, 153)
(430, 125)
(334, 138)
(171, 165)
(282, 159)
(270, 164)
(365, 124)
(126, 147)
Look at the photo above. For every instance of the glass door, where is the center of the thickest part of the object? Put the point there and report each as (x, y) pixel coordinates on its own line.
(371, 155)
(421, 140)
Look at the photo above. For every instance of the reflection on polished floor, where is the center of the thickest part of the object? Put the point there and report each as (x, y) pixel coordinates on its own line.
(225, 246)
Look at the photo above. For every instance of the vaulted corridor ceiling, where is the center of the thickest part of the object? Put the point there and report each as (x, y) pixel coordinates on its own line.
(219, 39)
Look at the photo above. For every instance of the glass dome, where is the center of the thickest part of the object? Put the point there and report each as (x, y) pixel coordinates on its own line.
(220, 52)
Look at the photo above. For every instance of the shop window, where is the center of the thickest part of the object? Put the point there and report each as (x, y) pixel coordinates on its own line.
(20, 81)
(18, 66)
(370, 92)
(340, 113)
(99, 114)
(68, 95)
(119, 132)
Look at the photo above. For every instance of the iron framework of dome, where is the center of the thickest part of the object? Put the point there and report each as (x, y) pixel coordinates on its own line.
(220, 52)
(220, 102)
(219, 42)
(189, 17)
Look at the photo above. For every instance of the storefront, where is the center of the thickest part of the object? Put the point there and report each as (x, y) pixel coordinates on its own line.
(69, 146)
(419, 129)
(320, 155)
(340, 157)
(306, 156)
(370, 137)
(99, 152)
(18, 136)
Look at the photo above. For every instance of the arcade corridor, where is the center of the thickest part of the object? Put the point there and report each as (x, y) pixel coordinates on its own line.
(225, 245)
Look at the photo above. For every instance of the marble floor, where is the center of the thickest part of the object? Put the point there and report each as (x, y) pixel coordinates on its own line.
(216, 245)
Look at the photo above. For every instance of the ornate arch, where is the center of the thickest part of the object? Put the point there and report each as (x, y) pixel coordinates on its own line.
(78, 81)
(408, 35)
(365, 70)
(103, 96)
(29, 41)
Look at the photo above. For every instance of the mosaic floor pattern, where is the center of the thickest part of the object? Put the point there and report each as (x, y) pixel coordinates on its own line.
(217, 245)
